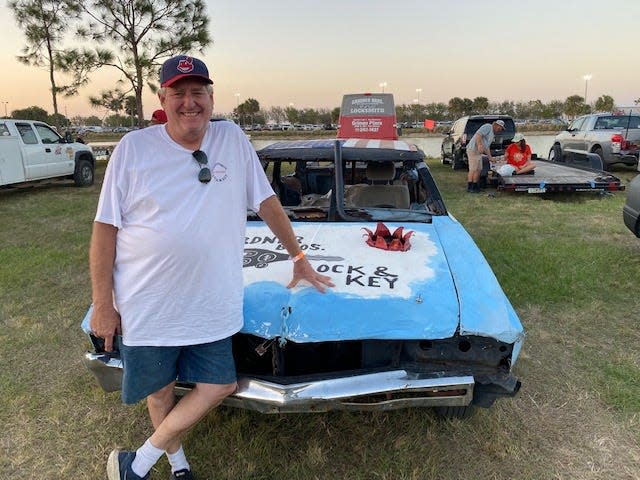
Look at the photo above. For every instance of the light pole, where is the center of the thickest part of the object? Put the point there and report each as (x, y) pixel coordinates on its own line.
(5, 109)
(382, 85)
(237, 95)
(416, 107)
(418, 91)
(586, 83)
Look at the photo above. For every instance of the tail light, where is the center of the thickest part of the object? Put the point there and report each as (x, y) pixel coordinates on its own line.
(630, 146)
(617, 143)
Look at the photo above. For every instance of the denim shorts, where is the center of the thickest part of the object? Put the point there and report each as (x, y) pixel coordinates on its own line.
(148, 369)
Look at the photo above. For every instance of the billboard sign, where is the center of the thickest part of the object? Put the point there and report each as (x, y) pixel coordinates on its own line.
(368, 115)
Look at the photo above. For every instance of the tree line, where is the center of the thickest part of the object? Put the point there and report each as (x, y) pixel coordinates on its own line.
(457, 107)
(250, 112)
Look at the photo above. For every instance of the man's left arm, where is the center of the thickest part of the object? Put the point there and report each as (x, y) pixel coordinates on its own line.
(489, 139)
(274, 216)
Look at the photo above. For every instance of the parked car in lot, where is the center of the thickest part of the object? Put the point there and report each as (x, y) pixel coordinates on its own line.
(94, 128)
(631, 209)
(614, 138)
(416, 319)
(32, 151)
(454, 145)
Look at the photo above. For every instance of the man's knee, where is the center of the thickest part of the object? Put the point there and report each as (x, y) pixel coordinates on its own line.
(215, 393)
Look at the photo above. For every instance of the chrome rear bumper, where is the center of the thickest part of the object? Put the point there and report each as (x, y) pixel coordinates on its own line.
(372, 391)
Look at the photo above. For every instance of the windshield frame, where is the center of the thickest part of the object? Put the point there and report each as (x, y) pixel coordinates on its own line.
(327, 154)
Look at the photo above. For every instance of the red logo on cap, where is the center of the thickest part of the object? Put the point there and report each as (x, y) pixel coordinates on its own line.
(185, 65)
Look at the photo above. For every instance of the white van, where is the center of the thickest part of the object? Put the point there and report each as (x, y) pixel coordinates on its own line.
(32, 151)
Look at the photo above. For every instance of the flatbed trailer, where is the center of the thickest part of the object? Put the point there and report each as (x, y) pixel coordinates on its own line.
(552, 177)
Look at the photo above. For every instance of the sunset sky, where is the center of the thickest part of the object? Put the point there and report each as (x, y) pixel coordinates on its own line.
(309, 53)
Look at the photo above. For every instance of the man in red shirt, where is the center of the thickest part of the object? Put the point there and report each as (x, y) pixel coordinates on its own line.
(518, 154)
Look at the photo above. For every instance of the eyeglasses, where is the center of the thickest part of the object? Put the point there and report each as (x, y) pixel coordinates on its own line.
(204, 175)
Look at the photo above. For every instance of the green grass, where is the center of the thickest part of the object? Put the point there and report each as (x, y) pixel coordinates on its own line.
(567, 263)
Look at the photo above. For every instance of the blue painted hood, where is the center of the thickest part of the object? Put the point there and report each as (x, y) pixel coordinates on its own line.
(379, 294)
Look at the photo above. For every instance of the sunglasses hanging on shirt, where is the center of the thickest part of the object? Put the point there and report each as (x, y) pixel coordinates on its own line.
(204, 175)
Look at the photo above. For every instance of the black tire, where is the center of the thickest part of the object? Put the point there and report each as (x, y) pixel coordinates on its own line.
(457, 162)
(83, 176)
(455, 412)
(598, 151)
(555, 154)
(443, 157)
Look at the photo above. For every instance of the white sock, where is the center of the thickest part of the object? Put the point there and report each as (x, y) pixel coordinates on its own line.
(178, 460)
(146, 457)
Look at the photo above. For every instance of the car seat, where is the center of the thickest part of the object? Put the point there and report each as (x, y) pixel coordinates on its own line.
(380, 190)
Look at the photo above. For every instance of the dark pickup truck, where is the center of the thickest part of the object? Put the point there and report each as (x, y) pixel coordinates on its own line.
(454, 144)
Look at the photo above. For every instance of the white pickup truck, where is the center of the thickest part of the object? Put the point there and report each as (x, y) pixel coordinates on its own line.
(32, 151)
(614, 138)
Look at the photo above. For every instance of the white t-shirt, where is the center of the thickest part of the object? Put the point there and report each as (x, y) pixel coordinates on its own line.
(179, 248)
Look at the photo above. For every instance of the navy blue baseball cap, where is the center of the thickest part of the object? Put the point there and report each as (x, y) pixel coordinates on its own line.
(182, 66)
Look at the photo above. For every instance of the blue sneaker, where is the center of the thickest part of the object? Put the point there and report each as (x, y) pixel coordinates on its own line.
(119, 466)
(184, 474)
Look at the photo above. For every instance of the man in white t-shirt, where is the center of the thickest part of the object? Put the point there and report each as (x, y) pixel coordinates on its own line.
(166, 261)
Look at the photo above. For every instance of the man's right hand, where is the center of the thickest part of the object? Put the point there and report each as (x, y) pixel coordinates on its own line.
(105, 323)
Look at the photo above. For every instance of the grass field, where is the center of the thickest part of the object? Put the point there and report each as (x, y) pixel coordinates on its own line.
(568, 264)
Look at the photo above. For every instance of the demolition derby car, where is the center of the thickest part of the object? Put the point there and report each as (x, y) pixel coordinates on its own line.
(416, 319)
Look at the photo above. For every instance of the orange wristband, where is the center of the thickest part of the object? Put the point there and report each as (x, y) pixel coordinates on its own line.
(297, 257)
